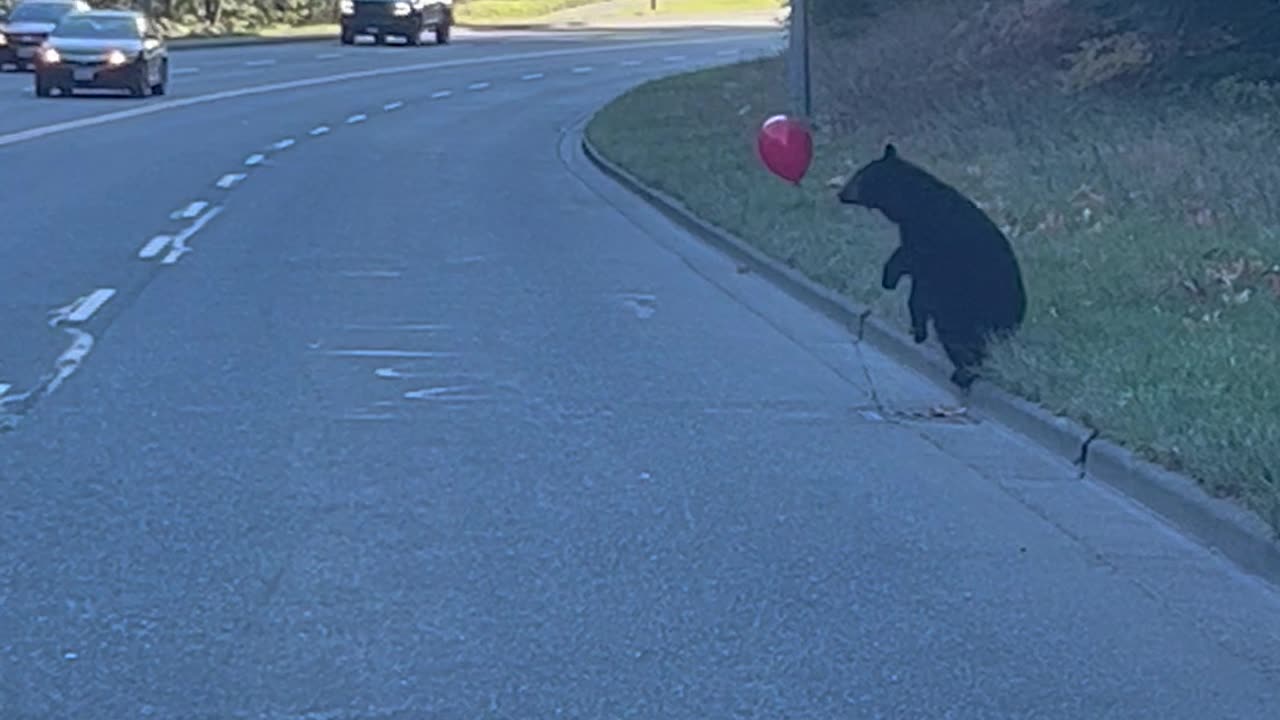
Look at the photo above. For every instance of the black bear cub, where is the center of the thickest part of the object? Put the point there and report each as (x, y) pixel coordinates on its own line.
(964, 275)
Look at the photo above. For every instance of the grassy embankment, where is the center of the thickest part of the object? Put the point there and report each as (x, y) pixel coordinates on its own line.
(1145, 218)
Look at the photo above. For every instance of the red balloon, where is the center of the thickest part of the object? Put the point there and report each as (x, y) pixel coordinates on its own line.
(786, 147)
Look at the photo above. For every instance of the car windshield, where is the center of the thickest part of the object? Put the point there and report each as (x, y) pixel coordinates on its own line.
(85, 26)
(39, 12)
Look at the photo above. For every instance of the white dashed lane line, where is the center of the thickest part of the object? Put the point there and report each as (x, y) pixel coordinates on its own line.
(154, 247)
(180, 246)
(226, 181)
(84, 308)
(405, 354)
(69, 361)
(190, 210)
(81, 310)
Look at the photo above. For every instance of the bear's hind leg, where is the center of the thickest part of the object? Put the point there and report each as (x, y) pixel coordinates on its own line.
(966, 356)
(918, 308)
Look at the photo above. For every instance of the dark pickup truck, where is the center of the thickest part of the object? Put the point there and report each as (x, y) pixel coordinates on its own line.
(400, 18)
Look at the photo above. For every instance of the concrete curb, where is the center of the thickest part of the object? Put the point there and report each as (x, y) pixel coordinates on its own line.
(1230, 530)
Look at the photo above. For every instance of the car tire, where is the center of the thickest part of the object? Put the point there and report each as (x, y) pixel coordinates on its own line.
(443, 32)
(160, 87)
(140, 84)
(42, 86)
(379, 39)
(347, 37)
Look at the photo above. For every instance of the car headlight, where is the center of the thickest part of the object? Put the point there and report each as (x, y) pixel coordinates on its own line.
(115, 57)
(403, 8)
(50, 56)
(348, 7)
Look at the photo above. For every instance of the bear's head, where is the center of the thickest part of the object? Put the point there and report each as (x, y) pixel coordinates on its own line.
(878, 185)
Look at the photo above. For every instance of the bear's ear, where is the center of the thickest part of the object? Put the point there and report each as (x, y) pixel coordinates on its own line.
(890, 151)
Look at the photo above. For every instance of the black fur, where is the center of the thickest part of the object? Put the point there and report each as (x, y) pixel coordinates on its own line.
(964, 275)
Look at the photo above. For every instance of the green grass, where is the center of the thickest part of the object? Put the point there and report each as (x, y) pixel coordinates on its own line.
(699, 7)
(530, 10)
(512, 10)
(1147, 229)
(296, 30)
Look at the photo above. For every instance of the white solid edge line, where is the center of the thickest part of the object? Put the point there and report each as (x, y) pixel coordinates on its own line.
(180, 246)
(259, 63)
(129, 113)
(226, 181)
(254, 159)
(90, 305)
(184, 71)
(154, 246)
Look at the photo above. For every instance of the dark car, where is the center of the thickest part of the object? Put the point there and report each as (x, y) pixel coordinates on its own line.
(399, 18)
(108, 49)
(27, 27)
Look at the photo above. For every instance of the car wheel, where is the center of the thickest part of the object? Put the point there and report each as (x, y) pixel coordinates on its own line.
(42, 85)
(348, 37)
(379, 39)
(442, 32)
(159, 88)
(140, 84)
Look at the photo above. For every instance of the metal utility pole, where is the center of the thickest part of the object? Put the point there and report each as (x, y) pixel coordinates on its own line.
(798, 59)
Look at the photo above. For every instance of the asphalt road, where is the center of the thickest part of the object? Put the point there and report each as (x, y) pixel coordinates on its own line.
(428, 420)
